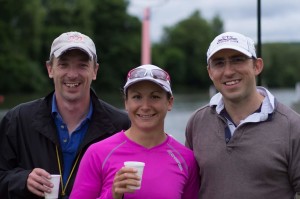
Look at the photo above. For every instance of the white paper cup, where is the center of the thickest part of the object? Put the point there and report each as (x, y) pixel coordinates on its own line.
(55, 179)
(140, 168)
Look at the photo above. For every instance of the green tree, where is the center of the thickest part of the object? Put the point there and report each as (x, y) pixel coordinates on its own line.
(63, 16)
(183, 47)
(217, 25)
(19, 74)
(118, 40)
(172, 61)
(281, 64)
(20, 37)
(27, 29)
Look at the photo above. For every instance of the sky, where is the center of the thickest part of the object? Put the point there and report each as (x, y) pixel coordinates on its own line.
(280, 19)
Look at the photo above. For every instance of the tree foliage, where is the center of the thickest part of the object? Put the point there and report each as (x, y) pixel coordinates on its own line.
(27, 29)
(281, 64)
(20, 38)
(118, 37)
(182, 50)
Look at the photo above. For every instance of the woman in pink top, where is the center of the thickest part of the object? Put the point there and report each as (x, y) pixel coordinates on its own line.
(170, 171)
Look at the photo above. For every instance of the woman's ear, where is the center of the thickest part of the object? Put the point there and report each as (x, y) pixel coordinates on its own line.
(170, 104)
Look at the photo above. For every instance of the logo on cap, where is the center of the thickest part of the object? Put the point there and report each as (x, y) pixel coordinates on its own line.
(75, 38)
(228, 39)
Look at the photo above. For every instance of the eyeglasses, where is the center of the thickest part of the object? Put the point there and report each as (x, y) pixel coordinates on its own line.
(142, 72)
(233, 61)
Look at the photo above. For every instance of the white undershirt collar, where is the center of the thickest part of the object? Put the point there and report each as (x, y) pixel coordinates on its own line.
(268, 106)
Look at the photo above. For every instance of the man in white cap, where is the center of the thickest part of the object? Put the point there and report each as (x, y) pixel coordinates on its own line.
(247, 144)
(50, 135)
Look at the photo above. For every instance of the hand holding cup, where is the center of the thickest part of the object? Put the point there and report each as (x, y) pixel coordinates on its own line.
(140, 168)
(55, 180)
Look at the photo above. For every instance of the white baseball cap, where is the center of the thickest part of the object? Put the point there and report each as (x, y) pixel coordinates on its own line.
(73, 40)
(151, 73)
(232, 40)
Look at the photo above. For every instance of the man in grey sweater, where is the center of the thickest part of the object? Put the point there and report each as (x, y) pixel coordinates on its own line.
(247, 144)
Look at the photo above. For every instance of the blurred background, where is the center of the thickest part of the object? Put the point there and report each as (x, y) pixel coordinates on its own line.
(173, 34)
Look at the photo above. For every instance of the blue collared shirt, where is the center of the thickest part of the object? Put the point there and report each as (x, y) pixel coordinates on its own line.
(69, 144)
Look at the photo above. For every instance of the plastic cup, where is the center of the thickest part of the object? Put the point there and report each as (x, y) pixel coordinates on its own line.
(140, 168)
(55, 179)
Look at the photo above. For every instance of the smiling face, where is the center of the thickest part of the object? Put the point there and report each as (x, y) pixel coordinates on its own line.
(147, 105)
(236, 80)
(72, 73)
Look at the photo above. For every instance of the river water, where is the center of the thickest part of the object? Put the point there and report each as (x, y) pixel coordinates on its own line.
(185, 105)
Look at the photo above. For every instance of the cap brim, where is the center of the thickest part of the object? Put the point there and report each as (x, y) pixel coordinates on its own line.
(65, 48)
(237, 48)
(146, 78)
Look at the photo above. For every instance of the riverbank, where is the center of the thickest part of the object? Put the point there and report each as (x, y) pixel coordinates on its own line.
(184, 104)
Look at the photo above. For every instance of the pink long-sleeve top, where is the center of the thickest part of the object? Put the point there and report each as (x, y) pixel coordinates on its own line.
(170, 172)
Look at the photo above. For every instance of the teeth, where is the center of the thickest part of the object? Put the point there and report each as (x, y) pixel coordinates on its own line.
(232, 82)
(145, 116)
(72, 85)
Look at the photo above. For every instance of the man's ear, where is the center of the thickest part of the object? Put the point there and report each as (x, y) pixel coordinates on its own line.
(49, 69)
(258, 66)
(96, 68)
(209, 73)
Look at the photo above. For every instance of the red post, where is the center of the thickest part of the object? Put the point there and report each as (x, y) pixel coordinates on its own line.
(1, 99)
(146, 45)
